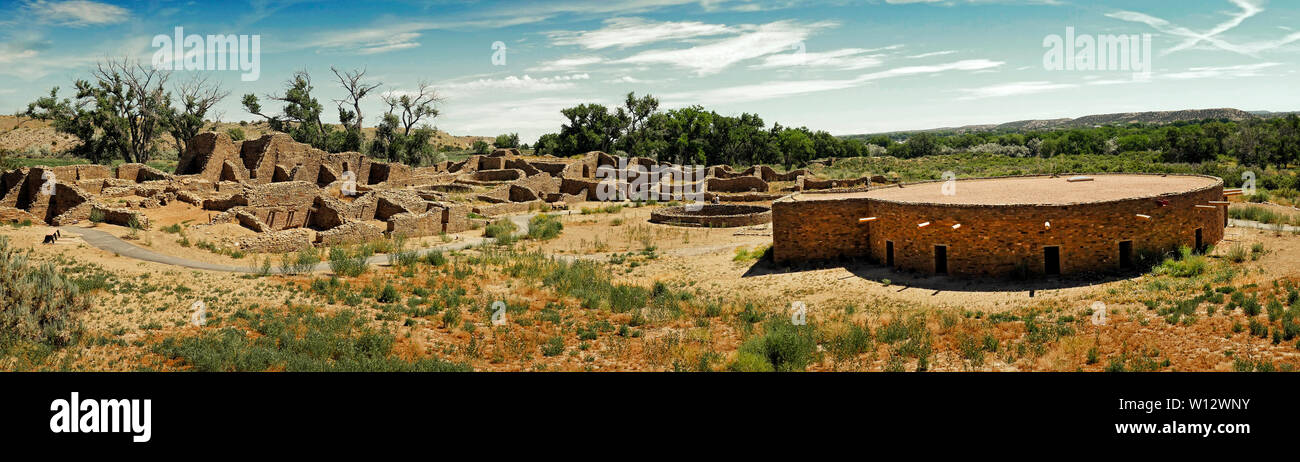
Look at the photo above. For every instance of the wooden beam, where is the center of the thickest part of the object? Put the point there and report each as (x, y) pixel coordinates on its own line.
(1206, 207)
(861, 220)
(1144, 217)
(1220, 202)
(958, 225)
(922, 225)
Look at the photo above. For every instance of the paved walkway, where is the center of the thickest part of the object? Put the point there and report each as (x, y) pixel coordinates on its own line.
(111, 243)
(105, 241)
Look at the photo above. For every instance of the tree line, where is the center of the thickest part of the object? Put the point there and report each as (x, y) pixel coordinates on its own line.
(1256, 141)
(690, 135)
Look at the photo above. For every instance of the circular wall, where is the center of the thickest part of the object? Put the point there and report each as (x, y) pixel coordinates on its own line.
(1037, 225)
(713, 215)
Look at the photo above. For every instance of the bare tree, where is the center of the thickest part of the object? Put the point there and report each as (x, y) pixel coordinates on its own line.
(357, 90)
(410, 108)
(131, 105)
(197, 96)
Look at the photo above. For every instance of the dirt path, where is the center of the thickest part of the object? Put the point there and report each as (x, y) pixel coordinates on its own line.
(108, 242)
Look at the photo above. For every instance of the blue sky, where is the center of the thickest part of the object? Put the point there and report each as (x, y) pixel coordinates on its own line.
(842, 66)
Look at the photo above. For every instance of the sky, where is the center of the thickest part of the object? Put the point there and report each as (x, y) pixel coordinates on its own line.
(846, 67)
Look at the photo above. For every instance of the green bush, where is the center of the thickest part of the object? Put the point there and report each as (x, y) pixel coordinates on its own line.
(783, 346)
(347, 264)
(544, 227)
(299, 340)
(37, 303)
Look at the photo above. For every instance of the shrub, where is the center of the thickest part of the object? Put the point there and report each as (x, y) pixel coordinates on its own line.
(96, 216)
(783, 347)
(544, 227)
(37, 303)
(435, 258)
(306, 259)
(173, 229)
(553, 346)
(299, 340)
(347, 264)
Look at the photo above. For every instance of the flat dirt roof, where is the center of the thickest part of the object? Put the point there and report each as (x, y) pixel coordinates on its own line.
(1033, 190)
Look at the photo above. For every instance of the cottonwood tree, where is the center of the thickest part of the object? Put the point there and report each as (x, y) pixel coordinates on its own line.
(121, 113)
(196, 97)
(300, 115)
(351, 118)
(404, 133)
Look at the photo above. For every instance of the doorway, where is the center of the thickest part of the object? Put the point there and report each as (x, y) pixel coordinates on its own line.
(941, 259)
(889, 254)
(1199, 245)
(1125, 254)
(1052, 260)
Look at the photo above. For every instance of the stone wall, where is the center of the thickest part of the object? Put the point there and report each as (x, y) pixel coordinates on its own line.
(805, 227)
(415, 225)
(992, 240)
(349, 233)
(738, 184)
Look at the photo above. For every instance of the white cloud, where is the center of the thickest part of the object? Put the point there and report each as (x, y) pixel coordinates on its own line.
(630, 32)
(1013, 88)
(779, 89)
(846, 58)
(1191, 38)
(512, 83)
(567, 64)
(932, 54)
(1239, 71)
(713, 57)
(76, 12)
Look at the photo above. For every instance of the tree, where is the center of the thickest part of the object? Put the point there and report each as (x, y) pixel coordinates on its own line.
(300, 116)
(197, 96)
(506, 141)
(796, 147)
(480, 147)
(120, 114)
(413, 108)
(351, 118)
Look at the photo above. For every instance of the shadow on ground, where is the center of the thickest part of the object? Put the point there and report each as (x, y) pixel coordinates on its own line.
(904, 280)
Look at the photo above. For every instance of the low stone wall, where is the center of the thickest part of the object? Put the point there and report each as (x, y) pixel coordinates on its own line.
(349, 233)
(807, 183)
(511, 208)
(498, 175)
(738, 184)
(714, 215)
(120, 216)
(415, 225)
(289, 240)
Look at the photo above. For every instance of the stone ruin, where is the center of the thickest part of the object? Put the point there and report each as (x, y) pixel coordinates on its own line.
(295, 195)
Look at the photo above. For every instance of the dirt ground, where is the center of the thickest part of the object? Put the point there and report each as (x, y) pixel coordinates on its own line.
(152, 301)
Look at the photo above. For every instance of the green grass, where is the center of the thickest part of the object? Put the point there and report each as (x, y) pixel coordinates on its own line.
(544, 227)
(38, 303)
(296, 341)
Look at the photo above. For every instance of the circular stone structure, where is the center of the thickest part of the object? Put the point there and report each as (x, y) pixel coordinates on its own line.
(996, 226)
(713, 215)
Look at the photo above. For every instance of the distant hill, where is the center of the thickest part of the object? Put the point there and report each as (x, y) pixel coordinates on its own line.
(1153, 117)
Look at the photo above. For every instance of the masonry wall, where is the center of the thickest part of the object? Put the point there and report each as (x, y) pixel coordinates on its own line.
(993, 240)
(805, 227)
